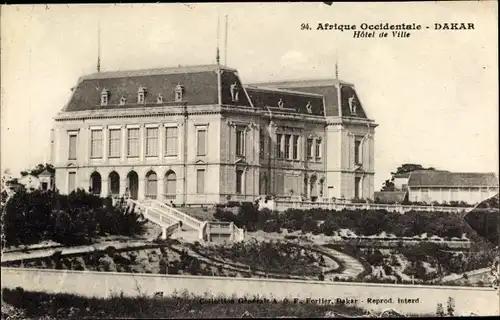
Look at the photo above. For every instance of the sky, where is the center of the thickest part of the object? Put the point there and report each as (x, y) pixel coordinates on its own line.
(434, 95)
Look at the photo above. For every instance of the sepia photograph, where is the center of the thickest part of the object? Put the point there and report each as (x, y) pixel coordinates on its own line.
(249, 160)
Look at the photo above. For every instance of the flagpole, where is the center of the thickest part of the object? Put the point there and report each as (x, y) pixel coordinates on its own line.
(99, 46)
(217, 57)
(225, 44)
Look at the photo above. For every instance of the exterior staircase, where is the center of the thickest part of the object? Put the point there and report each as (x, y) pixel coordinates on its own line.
(172, 220)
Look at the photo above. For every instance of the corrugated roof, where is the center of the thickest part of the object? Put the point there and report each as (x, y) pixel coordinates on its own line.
(402, 175)
(429, 178)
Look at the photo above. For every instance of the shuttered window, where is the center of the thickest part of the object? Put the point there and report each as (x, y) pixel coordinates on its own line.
(133, 142)
(201, 142)
(310, 148)
(240, 142)
(295, 148)
(287, 146)
(71, 181)
(114, 143)
(279, 146)
(151, 142)
(72, 147)
(96, 143)
(171, 141)
(200, 181)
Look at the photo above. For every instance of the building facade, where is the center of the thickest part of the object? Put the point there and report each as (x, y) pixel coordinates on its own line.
(198, 135)
(445, 187)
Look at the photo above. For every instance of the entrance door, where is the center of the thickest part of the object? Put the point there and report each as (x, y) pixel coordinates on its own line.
(133, 184)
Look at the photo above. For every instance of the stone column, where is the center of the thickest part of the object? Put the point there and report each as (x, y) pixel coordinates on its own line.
(123, 152)
(105, 143)
(160, 188)
(104, 187)
(142, 189)
(142, 143)
(123, 185)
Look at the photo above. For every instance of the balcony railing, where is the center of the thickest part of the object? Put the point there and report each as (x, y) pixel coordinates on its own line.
(150, 196)
(169, 196)
(281, 205)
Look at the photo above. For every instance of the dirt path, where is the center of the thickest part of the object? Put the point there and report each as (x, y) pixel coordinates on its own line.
(352, 266)
(42, 253)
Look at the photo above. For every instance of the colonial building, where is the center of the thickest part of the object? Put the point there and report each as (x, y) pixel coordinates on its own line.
(197, 134)
(443, 186)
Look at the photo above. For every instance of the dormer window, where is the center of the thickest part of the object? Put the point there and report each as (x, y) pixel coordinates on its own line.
(235, 92)
(104, 97)
(159, 98)
(141, 94)
(179, 93)
(353, 105)
(123, 100)
(281, 103)
(309, 107)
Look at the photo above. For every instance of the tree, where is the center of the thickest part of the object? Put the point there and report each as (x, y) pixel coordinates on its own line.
(410, 167)
(39, 169)
(440, 310)
(388, 185)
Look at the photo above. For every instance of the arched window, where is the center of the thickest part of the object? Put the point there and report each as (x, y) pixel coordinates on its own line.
(114, 183)
(133, 185)
(95, 183)
(170, 185)
(314, 187)
(151, 185)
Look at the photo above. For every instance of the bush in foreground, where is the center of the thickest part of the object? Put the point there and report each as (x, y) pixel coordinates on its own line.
(40, 305)
(77, 218)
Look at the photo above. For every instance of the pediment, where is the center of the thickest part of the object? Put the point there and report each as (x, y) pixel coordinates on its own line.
(71, 165)
(199, 162)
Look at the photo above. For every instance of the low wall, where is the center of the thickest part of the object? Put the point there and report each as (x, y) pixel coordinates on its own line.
(480, 301)
(282, 205)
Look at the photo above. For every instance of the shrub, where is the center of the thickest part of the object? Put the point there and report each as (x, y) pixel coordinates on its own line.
(77, 218)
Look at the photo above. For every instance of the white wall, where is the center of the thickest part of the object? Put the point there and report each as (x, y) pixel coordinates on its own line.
(481, 301)
(468, 195)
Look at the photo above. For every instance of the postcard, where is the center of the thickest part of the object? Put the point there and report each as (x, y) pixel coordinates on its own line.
(214, 160)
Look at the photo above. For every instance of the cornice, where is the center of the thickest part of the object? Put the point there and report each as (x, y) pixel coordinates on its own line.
(340, 121)
(181, 110)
